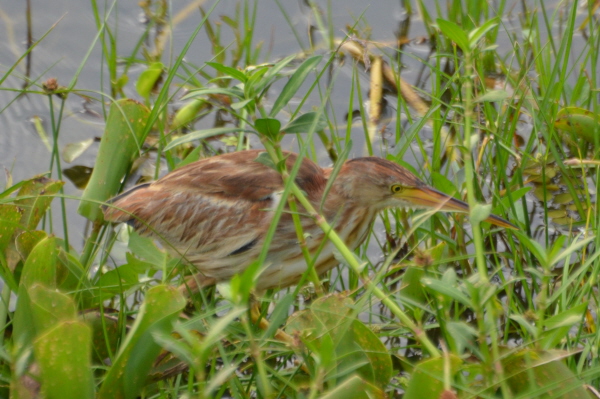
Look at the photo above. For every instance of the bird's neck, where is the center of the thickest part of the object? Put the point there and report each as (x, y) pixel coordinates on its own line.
(351, 220)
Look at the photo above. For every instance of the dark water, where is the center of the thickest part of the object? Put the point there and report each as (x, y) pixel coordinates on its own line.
(73, 32)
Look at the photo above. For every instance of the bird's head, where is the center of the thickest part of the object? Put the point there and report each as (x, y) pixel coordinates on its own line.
(376, 182)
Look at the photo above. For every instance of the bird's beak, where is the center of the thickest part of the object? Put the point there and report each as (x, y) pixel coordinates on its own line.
(430, 198)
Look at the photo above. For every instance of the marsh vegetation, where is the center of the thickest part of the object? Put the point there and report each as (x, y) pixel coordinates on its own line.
(492, 102)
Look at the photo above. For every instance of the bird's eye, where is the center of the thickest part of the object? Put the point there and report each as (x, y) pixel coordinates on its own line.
(396, 188)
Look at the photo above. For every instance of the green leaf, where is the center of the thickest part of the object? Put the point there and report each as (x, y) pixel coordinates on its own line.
(130, 369)
(40, 265)
(79, 175)
(271, 74)
(345, 346)
(480, 212)
(205, 92)
(580, 122)
(443, 184)
(49, 307)
(558, 326)
(493, 96)
(255, 81)
(279, 314)
(72, 151)
(118, 281)
(229, 71)
(34, 198)
(441, 287)
(27, 240)
(145, 248)
(268, 127)
(120, 146)
(10, 215)
(63, 355)
(265, 159)
(355, 388)
(534, 247)
(427, 379)
(412, 288)
(292, 86)
(149, 79)
(454, 32)
(541, 374)
(188, 112)
(203, 134)
(476, 34)
(39, 268)
(305, 122)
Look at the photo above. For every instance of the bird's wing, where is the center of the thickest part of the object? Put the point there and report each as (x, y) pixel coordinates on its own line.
(203, 202)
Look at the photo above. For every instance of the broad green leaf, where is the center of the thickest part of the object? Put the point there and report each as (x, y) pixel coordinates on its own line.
(305, 122)
(27, 240)
(268, 127)
(378, 369)
(427, 379)
(49, 307)
(10, 215)
(542, 374)
(120, 146)
(202, 134)
(34, 198)
(580, 122)
(454, 32)
(63, 355)
(292, 86)
(71, 274)
(40, 265)
(39, 268)
(149, 79)
(130, 369)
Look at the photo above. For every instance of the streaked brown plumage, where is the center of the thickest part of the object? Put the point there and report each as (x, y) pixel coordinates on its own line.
(215, 212)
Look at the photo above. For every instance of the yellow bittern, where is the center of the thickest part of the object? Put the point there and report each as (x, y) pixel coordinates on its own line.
(216, 211)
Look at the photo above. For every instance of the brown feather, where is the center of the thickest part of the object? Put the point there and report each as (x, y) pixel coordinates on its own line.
(216, 212)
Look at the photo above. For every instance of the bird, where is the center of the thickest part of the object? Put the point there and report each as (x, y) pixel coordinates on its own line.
(215, 212)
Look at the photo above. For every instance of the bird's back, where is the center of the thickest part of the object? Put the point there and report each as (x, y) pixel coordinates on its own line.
(215, 212)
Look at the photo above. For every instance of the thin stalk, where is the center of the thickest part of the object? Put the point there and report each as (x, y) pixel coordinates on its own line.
(56, 158)
(468, 163)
